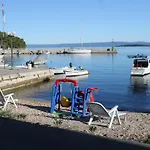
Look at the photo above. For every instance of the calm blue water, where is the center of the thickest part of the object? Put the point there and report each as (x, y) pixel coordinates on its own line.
(108, 72)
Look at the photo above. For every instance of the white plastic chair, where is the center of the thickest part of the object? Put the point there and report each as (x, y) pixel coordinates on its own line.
(5, 99)
(98, 110)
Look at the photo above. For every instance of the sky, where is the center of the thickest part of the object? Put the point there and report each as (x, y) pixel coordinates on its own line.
(73, 21)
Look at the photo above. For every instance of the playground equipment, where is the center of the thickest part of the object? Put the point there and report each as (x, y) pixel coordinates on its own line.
(78, 100)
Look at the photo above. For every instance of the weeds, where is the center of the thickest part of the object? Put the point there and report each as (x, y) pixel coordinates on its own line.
(9, 114)
(57, 121)
(92, 129)
(147, 141)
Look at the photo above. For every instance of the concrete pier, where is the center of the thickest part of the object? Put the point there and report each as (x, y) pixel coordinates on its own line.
(10, 79)
(57, 51)
(104, 51)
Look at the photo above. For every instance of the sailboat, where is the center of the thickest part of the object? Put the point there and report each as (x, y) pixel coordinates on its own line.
(80, 50)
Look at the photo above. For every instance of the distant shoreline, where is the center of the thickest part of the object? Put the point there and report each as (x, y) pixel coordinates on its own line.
(133, 45)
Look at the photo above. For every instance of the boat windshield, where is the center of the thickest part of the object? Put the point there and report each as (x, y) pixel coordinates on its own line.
(141, 63)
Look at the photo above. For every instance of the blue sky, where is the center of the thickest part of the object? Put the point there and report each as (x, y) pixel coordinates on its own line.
(66, 21)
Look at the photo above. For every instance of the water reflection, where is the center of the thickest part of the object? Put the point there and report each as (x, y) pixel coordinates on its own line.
(39, 91)
(140, 84)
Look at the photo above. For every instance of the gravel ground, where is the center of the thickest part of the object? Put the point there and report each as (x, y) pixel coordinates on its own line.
(135, 128)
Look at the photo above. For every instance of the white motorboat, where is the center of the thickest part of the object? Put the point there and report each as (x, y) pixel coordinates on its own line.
(62, 70)
(57, 71)
(76, 73)
(40, 62)
(78, 51)
(78, 77)
(141, 67)
(21, 67)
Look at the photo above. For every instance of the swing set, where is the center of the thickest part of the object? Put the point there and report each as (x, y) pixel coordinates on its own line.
(78, 99)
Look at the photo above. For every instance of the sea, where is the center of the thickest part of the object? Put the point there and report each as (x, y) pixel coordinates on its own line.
(110, 73)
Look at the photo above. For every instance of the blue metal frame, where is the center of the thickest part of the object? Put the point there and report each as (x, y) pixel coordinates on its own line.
(78, 102)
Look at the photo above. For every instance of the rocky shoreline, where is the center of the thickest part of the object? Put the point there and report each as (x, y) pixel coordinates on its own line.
(136, 127)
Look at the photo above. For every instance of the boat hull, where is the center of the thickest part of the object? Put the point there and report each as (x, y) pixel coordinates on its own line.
(140, 71)
(58, 71)
(78, 51)
(76, 73)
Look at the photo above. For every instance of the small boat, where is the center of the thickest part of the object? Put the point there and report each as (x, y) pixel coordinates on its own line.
(62, 70)
(141, 67)
(76, 73)
(40, 62)
(37, 61)
(78, 51)
(21, 67)
(78, 77)
(137, 56)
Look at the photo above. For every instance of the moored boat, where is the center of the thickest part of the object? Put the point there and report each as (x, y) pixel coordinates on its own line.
(76, 73)
(137, 56)
(141, 67)
(78, 51)
(62, 70)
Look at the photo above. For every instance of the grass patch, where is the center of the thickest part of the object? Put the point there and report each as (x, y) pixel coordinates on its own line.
(10, 115)
(147, 141)
(92, 129)
(57, 122)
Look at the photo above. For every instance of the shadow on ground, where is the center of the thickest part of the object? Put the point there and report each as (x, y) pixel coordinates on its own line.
(19, 135)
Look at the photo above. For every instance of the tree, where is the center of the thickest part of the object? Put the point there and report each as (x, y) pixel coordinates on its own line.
(5, 41)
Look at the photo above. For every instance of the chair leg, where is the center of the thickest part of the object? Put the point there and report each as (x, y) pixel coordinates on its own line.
(111, 121)
(13, 101)
(91, 119)
(118, 117)
(5, 104)
(125, 118)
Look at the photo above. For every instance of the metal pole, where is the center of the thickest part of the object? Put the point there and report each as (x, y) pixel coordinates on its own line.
(3, 45)
(11, 54)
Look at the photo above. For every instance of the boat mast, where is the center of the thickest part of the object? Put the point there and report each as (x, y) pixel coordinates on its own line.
(3, 23)
(81, 39)
(112, 48)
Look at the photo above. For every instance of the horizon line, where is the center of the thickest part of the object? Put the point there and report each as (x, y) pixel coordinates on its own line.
(90, 42)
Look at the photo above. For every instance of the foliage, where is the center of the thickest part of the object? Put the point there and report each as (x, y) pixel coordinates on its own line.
(92, 129)
(6, 41)
(147, 140)
(9, 114)
(57, 121)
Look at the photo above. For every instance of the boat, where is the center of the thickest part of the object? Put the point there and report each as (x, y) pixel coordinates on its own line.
(78, 77)
(62, 70)
(37, 61)
(74, 73)
(78, 51)
(21, 67)
(141, 67)
(40, 62)
(137, 56)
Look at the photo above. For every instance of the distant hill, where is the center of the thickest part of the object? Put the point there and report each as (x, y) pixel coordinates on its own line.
(93, 44)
